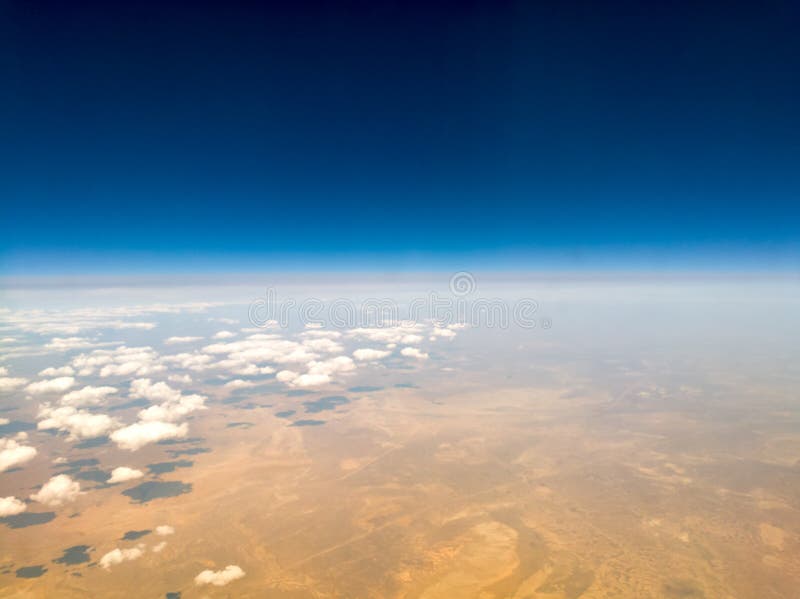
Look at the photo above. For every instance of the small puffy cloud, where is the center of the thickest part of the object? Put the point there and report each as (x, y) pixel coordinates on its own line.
(440, 332)
(323, 344)
(413, 352)
(367, 354)
(123, 474)
(8, 383)
(287, 376)
(318, 333)
(57, 491)
(117, 556)
(137, 367)
(159, 547)
(80, 424)
(121, 361)
(241, 367)
(263, 348)
(171, 411)
(188, 361)
(164, 530)
(219, 578)
(224, 335)
(13, 454)
(331, 366)
(4, 421)
(239, 384)
(3, 371)
(295, 379)
(404, 333)
(57, 385)
(319, 372)
(181, 379)
(139, 434)
(63, 371)
(146, 389)
(311, 380)
(11, 506)
(7, 340)
(88, 396)
(180, 340)
(224, 320)
(68, 343)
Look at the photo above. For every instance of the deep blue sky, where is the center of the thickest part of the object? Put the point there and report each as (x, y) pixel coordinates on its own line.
(159, 135)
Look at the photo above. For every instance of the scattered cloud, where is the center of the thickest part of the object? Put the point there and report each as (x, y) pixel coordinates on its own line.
(14, 454)
(413, 352)
(139, 434)
(367, 354)
(188, 361)
(323, 344)
(164, 530)
(63, 371)
(123, 474)
(80, 424)
(159, 547)
(219, 578)
(117, 556)
(150, 391)
(173, 410)
(11, 506)
(440, 332)
(57, 491)
(120, 361)
(239, 384)
(180, 340)
(68, 343)
(224, 335)
(10, 383)
(88, 396)
(262, 348)
(57, 385)
(408, 333)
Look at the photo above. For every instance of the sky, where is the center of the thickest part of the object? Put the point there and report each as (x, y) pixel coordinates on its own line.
(197, 136)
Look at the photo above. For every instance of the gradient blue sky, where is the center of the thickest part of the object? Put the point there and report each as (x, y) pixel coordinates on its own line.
(379, 135)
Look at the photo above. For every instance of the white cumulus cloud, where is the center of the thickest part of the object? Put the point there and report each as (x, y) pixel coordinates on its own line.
(117, 556)
(180, 340)
(80, 424)
(123, 474)
(88, 396)
(239, 384)
(367, 354)
(63, 371)
(219, 578)
(8, 383)
(57, 385)
(164, 530)
(139, 434)
(13, 454)
(11, 506)
(57, 491)
(413, 352)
